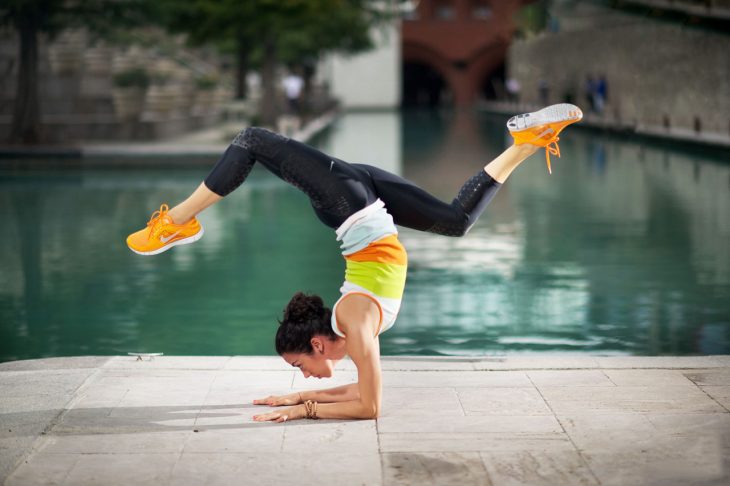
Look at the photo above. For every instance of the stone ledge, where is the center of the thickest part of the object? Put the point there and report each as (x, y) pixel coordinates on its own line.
(389, 363)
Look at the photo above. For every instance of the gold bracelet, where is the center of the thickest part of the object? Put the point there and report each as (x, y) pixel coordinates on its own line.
(308, 408)
(311, 409)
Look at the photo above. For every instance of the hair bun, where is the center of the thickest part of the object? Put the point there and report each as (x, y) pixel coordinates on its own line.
(304, 308)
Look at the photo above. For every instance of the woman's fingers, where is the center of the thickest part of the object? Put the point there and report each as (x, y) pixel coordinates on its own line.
(272, 416)
(270, 400)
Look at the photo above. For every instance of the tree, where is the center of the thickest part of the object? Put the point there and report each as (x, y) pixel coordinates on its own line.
(275, 29)
(30, 18)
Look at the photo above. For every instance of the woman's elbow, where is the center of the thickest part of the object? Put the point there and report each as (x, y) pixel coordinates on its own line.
(371, 411)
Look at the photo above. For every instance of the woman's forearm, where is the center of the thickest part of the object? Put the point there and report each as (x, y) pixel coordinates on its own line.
(343, 393)
(353, 409)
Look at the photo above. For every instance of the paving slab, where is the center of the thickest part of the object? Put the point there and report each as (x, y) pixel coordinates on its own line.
(344, 468)
(569, 378)
(709, 377)
(721, 394)
(526, 467)
(635, 399)
(502, 401)
(31, 400)
(179, 420)
(669, 461)
(424, 402)
(647, 377)
(404, 469)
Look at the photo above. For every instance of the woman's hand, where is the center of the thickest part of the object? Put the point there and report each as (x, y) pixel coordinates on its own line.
(291, 413)
(274, 401)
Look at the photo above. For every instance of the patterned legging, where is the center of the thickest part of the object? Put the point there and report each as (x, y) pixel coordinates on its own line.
(337, 189)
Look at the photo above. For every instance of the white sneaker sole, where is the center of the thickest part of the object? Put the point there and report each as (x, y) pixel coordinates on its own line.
(184, 241)
(551, 114)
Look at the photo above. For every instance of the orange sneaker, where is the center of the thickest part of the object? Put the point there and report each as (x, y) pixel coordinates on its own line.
(542, 127)
(161, 234)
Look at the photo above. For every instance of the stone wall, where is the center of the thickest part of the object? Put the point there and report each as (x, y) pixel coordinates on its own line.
(659, 73)
(78, 99)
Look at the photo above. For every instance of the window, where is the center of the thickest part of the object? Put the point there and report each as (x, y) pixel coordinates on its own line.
(444, 10)
(480, 10)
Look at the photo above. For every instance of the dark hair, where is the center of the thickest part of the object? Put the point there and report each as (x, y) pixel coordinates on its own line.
(304, 316)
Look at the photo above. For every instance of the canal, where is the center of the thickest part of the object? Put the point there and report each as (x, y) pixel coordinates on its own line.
(625, 249)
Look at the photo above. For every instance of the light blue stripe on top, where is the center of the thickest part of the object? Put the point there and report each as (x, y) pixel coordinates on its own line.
(365, 226)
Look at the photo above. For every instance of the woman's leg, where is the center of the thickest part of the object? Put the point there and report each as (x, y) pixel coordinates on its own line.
(415, 208)
(500, 168)
(334, 192)
(200, 199)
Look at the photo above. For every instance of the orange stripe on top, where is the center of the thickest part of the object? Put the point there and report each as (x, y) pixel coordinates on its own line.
(384, 250)
(380, 309)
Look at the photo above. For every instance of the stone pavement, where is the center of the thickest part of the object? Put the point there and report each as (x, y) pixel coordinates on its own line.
(516, 420)
(207, 142)
(210, 142)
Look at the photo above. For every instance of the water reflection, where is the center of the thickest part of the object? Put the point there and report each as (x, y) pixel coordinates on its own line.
(70, 286)
(624, 249)
(372, 138)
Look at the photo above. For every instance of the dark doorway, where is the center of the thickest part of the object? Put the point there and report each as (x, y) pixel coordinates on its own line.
(493, 85)
(423, 86)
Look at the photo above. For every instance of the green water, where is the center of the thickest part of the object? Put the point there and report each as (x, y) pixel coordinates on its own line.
(625, 249)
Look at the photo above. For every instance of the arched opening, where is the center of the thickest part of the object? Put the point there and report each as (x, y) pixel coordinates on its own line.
(423, 86)
(493, 84)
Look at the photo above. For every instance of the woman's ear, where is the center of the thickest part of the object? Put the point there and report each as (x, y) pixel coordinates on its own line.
(317, 345)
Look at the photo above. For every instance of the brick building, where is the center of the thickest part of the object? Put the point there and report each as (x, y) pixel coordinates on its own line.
(455, 49)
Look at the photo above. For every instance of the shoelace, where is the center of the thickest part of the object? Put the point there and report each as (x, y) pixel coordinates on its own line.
(157, 217)
(550, 149)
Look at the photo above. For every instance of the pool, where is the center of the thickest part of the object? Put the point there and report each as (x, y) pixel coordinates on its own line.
(625, 249)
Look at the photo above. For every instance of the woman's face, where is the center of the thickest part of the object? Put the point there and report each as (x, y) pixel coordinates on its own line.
(320, 363)
(315, 364)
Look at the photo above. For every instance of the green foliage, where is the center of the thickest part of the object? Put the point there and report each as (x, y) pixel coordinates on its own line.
(53, 16)
(136, 77)
(300, 30)
(207, 82)
(532, 19)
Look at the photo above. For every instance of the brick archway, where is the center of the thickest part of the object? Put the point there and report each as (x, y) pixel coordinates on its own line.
(461, 46)
(421, 54)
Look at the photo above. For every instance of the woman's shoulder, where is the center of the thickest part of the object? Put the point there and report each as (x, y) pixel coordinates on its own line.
(356, 309)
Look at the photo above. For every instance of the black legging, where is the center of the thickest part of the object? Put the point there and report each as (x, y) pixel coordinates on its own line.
(338, 189)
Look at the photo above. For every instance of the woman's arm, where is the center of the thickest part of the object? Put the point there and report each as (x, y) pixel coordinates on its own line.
(358, 318)
(343, 393)
(365, 353)
(338, 394)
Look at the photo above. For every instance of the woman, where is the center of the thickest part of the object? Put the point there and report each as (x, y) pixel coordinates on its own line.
(363, 204)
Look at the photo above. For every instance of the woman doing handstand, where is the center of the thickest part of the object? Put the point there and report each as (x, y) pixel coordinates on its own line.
(363, 204)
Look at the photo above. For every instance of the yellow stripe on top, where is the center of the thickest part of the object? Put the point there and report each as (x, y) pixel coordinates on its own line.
(380, 267)
(381, 279)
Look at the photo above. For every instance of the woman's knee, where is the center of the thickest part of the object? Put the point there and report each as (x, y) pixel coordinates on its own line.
(451, 228)
(259, 141)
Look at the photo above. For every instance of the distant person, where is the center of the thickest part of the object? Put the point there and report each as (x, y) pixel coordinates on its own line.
(362, 204)
(600, 94)
(589, 92)
(293, 85)
(513, 90)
